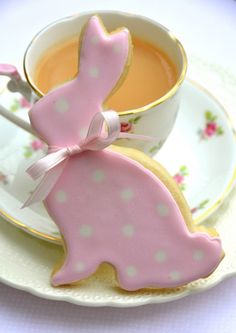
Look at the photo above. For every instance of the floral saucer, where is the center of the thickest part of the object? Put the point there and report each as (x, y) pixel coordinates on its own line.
(200, 154)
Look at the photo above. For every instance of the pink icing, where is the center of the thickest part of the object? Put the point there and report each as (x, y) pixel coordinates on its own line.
(71, 107)
(111, 209)
(108, 207)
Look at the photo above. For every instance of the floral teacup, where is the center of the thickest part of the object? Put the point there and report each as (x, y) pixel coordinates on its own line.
(155, 119)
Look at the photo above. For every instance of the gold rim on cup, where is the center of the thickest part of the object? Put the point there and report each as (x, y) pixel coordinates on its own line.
(160, 100)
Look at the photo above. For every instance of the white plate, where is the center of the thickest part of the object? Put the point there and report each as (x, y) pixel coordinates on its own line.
(194, 154)
(27, 262)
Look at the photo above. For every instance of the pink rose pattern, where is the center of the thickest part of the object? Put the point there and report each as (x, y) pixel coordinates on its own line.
(128, 126)
(179, 177)
(37, 145)
(24, 103)
(19, 103)
(34, 146)
(3, 178)
(125, 127)
(200, 206)
(211, 128)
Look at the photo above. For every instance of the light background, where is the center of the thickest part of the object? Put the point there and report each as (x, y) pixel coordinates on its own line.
(207, 28)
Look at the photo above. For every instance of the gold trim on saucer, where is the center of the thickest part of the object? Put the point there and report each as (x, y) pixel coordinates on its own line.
(232, 181)
(160, 100)
(216, 205)
(28, 229)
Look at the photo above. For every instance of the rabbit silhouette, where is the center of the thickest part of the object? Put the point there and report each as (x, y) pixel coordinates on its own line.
(108, 206)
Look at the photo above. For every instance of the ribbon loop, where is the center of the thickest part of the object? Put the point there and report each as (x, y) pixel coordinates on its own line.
(52, 165)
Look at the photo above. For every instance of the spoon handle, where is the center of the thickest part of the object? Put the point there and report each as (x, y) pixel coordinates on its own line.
(16, 120)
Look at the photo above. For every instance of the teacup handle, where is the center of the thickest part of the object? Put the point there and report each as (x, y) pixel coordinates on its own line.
(16, 84)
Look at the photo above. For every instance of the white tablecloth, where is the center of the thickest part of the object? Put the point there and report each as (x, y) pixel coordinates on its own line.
(207, 29)
(209, 312)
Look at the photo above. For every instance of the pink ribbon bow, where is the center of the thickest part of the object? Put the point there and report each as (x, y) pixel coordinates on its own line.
(51, 166)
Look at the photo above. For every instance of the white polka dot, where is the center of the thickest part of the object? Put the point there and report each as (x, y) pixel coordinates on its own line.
(198, 255)
(94, 72)
(163, 210)
(83, 133)
(79, 267)
(116, 48)
(160, 256)
(60, 196)
(61, 105)
(95, 39)
(86, 230)
(98, 176)
(128, 230)
(175, 276)
(127, 194)
(131, 271)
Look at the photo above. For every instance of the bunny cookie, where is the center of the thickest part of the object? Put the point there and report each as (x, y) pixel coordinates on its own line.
(115, 205)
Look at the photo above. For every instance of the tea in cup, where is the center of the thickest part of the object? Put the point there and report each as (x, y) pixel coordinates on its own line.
(148, 98)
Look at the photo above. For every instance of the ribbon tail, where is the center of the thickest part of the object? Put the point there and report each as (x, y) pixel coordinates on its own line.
(47, 163)
(46, 185)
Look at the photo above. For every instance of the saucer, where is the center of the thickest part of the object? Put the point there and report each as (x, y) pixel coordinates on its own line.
(27, 262)
(200, 152)
(195, 154)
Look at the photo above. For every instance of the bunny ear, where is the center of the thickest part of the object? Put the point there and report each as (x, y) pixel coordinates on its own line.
(103, 57)
(95, 29)
(62, 117)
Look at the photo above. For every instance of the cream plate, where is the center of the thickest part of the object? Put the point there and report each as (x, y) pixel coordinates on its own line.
(27, 262)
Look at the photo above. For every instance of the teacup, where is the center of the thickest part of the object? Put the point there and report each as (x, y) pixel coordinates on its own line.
(155, 119)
